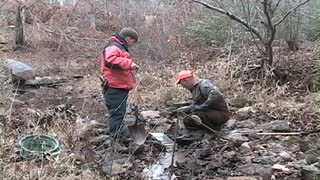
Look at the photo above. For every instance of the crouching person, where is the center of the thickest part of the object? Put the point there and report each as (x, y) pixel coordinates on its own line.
(209, 106)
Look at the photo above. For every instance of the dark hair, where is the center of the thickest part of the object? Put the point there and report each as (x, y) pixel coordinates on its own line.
(128, 32)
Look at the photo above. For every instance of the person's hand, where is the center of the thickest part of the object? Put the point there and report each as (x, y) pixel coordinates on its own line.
(184, 109)
(196, 108)
(134, 66)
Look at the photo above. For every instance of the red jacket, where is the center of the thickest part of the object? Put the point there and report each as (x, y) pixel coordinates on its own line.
(115, 64)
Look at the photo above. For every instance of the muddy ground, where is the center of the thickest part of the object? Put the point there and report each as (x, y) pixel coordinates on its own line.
(77, 119)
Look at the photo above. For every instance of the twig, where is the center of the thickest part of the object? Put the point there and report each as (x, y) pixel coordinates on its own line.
(276, 6)
(231, 16)
(61, 34)
(289, 12)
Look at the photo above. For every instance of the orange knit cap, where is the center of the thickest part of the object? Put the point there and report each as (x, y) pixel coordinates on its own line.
(183, 74)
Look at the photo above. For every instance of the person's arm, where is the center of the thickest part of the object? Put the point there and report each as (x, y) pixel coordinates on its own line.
(114, 60)
(213, 95)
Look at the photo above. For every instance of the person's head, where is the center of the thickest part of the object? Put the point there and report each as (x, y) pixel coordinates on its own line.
(186, 79)
(131, 36)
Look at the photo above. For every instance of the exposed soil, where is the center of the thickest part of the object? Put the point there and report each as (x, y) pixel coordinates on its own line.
(73, 111)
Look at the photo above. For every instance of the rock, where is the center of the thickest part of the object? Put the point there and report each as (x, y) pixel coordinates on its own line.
(265, 159)
(239, 102)
(315, 97)
(280, 167)
(150, 114)
(237, 138)
(214, 165)
(32, 101)
(245, 124)
(302, 143)
(204, 153)
(242, 178)
(231, 123)
(244, 113)
(245, 147)
(255, 169)
(246, 159)
(277, 126)
(304, 146)
(312, 155)
(310, 173)
(20, 70)
(285, 155)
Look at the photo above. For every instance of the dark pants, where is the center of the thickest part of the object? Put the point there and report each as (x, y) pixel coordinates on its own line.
(212, 118)
(116, 102)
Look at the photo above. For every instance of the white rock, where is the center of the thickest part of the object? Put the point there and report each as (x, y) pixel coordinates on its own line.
(245, 146)
(285, 155)
(280, 167)
(150, 114)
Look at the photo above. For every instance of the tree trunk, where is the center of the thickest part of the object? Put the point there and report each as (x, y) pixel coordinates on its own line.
(92, 21)
(269, 53)
(92, 18)
(19, 27)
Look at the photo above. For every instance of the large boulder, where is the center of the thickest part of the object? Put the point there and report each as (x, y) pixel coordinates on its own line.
(19, 70)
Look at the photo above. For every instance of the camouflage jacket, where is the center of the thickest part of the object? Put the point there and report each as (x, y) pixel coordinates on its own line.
(207, 94)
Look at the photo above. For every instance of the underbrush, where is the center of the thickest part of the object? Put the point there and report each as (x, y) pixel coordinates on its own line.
(61, 122)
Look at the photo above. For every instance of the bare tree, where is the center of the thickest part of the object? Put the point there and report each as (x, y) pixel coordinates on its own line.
(92, 13)
(267, 15)
(19, 27)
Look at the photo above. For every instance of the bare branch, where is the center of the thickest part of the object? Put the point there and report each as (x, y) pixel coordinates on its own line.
(221, 5)
(60, 34)
(276, 6)
(307, 15)
(231, 16)
(289, 12)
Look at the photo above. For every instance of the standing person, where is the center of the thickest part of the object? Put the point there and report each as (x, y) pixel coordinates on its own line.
(209, 105)
(118, 77)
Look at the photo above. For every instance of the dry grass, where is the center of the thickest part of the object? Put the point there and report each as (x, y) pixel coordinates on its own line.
(155, 88)
(162, 55)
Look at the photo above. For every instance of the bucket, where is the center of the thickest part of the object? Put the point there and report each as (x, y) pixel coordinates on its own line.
(38, 146)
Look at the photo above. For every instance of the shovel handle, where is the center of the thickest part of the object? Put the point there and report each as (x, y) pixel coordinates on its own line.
(136, 114)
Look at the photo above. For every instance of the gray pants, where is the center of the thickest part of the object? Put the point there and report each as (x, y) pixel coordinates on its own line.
(212, 118)
(116, 102)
